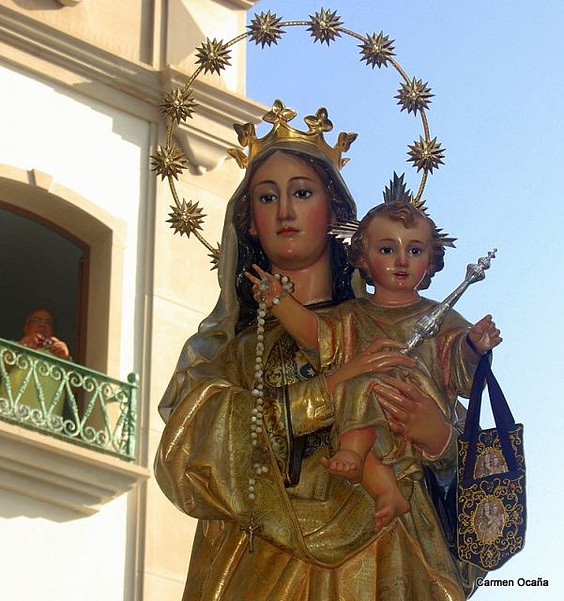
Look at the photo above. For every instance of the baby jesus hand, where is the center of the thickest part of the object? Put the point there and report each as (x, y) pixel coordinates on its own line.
(484, 335)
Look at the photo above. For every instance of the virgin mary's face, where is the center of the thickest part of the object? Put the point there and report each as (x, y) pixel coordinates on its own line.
(290, 212)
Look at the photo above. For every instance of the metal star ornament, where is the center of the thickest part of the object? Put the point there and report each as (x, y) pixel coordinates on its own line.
(213, 56)
(426, 154)
(169, 161)
(324, 26)
(265, 29)
(377, 50)
(414, 96)
(214, 256)
(186, 218)
(178, 105)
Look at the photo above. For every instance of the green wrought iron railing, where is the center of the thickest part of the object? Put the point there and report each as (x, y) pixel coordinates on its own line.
(68, 401)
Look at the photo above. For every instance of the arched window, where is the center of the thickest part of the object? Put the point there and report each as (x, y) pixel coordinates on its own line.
(74, 265)
(42, 266)
(60, 251)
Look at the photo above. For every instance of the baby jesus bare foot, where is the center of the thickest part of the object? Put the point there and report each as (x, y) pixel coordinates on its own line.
(380, 482)
(345, 463)
(356, 461)
(378, 479)
(389, 505)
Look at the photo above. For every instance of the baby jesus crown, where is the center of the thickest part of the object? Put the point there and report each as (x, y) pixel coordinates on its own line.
(282, 131)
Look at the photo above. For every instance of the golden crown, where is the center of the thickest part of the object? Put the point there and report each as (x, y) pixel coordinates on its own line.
(282, 131)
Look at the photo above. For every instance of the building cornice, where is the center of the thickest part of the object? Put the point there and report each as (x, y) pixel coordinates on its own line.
(127, 85)
(206, 136)
(242, 4)
(75, 61)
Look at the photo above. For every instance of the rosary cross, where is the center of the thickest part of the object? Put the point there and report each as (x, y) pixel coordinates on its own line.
(249, 530)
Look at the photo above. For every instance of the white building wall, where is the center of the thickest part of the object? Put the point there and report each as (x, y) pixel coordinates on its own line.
(95, 150)
(101, 153)
(49, 554)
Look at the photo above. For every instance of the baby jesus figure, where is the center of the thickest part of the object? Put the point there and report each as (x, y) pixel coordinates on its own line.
(398, 249)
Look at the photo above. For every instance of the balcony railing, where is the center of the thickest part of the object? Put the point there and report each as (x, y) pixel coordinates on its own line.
(67, 401)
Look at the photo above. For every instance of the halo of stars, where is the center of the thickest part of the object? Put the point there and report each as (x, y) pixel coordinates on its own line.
(266, 29)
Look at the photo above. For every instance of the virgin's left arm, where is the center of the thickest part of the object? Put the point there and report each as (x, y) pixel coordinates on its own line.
(204, 453)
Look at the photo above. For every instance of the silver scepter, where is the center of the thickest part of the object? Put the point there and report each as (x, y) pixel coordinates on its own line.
(428, 325)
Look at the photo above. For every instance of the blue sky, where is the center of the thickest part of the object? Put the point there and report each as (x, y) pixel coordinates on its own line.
(495, 69)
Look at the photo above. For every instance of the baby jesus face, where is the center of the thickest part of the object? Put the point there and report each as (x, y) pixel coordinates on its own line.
(397, 258)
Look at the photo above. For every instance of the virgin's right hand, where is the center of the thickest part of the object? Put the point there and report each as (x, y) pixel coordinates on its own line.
(272, 287)
(380, 357)
(413, 414)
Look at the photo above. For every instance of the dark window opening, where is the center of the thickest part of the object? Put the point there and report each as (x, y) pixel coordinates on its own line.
(42, 266)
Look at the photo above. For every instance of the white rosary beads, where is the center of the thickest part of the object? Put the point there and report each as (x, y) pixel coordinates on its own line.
(257, 414)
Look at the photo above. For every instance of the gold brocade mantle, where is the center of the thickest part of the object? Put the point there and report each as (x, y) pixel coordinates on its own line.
(315, 541)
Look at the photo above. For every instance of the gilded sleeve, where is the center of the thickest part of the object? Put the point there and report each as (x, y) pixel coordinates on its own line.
(311, 405)
(331, 334)
(205, 447)
(457, 370)
(457, 375)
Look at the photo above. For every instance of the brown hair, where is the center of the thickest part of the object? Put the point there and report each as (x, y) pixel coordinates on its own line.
(408, 215)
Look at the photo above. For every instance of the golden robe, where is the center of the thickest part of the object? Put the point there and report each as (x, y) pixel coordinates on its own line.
(312, 532)
(443, 371)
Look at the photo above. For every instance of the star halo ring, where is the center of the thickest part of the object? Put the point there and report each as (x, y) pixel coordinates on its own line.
(266, 28)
